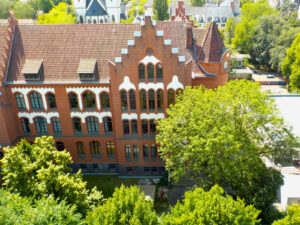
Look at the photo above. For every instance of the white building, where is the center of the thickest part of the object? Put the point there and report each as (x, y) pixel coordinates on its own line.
(98, 11)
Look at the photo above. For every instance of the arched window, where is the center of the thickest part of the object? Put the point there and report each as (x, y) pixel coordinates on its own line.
(41, 125)
(159, 72)
(134, 127)
(89, 21)
(132, 100)
(56, 125)
(113, 18)
(160, 100)
(81, 19)
(92, 124)
(143, 100)
(105, 101)
(170, 97)
(141, 72)
(89, 101)
(73, 101)
(94, 21)
(151, 97)
(110, 146)
(20, 101)
(107, 124)
(36, 101)
(150, 72)
(152, 127)
(51, 101)
(124, 104)
(25, 125)
(95, 149)
(145, 127)
(80, 150)
(60, 146)
(101, 20)
(126, 127)
(76, 125)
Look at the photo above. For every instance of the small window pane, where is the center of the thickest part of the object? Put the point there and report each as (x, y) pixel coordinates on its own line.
(77, 125)
(142, 72)
(132, 100)
(105, 101)
(126, 127)
(20, 101)
(145, 127)
(51, 101)
(25, 125)
(56, 125)
(159, 72)
(150, 72)
(128, 153)
(92, 124)
(73, 101)
(134, 127)
(124, 104)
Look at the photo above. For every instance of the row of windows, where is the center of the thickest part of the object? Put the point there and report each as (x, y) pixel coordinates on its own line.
(150, 72)
(145, 153)
(134, 129)
(41, 125)
(95, 149)
(89, 100)
(35, 101)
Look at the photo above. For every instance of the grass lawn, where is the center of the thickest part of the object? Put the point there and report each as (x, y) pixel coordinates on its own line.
(107, 183)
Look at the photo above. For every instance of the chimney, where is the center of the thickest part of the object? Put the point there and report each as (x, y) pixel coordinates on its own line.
(189, 34)
(148, 21)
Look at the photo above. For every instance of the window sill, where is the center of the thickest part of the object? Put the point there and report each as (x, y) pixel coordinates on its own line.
(111, 156)
(81, 156)
(96, 156)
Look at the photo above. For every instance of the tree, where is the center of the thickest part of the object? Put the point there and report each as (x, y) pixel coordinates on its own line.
(221, 137)
(265, 35)
(126, 206)
(137, 7)
(212, 207)
(40, 170)
(160, 8)
(244, 31)
(292, 218)
(291, 65)
(19, 210)
(229, 30)
(24, 10)
(198, 3)
(45, 5)
(60, 14)
(5, 6)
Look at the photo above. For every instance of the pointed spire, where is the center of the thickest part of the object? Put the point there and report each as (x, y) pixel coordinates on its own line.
(213, 45)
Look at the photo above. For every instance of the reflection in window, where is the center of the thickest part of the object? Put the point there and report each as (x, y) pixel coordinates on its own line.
(89, 101)
(105, 101)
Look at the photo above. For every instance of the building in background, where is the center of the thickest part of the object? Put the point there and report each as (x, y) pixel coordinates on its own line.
(99, 91)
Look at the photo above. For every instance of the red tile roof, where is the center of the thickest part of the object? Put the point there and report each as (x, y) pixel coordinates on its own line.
(3, 35)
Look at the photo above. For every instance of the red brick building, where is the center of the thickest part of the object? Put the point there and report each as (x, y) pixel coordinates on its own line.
(98, 88)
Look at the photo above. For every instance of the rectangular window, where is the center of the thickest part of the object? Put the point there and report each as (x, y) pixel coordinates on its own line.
(107, 125)
(92, 124)
(76, 125)
(128, 153)
(145, 127)
(95, 149)
(56, 125)
(134, 127)
(126, 127)
(110, 146)
(153, 152)
(146, 152)
(152, 127)
(25, 125)
(136, 153)
(41, 125)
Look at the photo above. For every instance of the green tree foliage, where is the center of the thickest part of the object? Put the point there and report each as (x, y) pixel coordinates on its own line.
(40, 170)
(212, 207)
(292, 218)
(265, 35)
(291, 65)
(198, 3)
(126, 206)
(229, 30)
(24, 10)
(45, 5)
(160, 9)
(244, 31)
(60, 14)
(5, 6)
(284, 41)
(19, 210)
(137, 8)
(221, 136)
(246, 1)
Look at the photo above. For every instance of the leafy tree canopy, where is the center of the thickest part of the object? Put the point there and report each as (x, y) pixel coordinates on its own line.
(292, 218)
(60, 14)
(291, 65)
(23, 10)
(137, 7)
(161, 8)
(212, 207)
(198, 3)
(229, 31)
(126, 206)
(21, 210)
(5, 6)
(250, 14)
(221, 136)
(40, 170)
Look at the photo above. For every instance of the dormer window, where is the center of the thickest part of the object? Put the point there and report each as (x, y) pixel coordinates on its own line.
(32, 69)
(86, 69)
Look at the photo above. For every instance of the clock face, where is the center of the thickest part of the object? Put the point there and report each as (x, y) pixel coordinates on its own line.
(226, 66)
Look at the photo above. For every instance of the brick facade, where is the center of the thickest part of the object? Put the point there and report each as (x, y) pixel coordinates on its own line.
(117, 71)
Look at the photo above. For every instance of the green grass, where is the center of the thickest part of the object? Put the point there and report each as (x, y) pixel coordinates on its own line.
(108, 183)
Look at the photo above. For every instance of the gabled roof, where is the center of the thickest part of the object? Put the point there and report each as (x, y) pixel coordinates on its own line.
(213, 45)
(96, 9)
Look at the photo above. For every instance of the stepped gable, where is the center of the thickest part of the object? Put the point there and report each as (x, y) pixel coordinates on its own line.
(213, 45)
